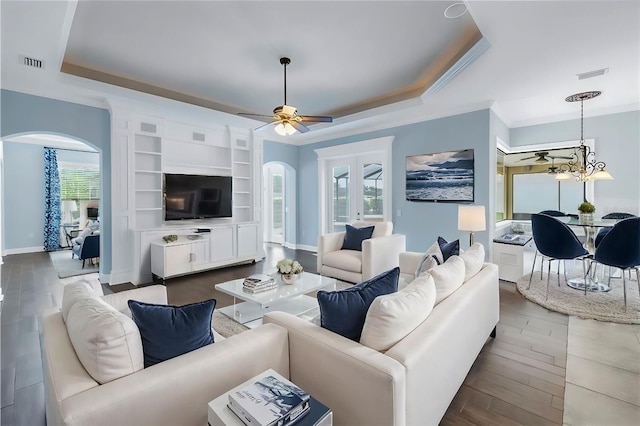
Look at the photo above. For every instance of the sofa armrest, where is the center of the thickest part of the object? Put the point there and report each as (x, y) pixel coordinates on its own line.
(409, 261)
(362, 386)
(177, 391)
(328, 243)
(381, 254)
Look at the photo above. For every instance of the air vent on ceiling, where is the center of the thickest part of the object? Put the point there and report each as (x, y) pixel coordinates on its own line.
(31, 62)
(591, 74)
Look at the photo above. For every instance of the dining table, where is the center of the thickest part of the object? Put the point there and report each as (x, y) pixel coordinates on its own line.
(590, 229)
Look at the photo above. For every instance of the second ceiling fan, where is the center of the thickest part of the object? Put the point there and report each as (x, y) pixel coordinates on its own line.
(285, 117)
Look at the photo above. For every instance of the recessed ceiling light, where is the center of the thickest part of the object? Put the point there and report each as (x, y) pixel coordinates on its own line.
(455, 10)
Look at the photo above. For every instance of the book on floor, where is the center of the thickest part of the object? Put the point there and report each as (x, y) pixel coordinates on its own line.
(269, 402)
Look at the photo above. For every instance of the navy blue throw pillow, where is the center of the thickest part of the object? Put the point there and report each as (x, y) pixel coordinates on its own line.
(168, 331)
(344, 311)
(354, 237)
(449, 249)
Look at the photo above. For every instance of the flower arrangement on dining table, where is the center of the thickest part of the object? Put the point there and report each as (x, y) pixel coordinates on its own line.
(586, 210)
(289, 270)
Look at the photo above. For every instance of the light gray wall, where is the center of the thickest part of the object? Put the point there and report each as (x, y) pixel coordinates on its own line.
(421, 222)
(617, 143)
(26, 114)
(288, 155)
(23, 196)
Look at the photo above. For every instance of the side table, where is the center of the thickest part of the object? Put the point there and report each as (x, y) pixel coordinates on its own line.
(221, 415)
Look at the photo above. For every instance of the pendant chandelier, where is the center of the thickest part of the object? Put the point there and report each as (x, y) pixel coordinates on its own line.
(583, 166)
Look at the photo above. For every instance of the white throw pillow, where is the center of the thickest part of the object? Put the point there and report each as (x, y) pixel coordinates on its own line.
(72, 293)
(393, 316)
(448, 277)
(473, 260)
(107, 343)
(432, 258)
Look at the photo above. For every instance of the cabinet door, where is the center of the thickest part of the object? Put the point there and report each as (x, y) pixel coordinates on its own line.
(199, 255)
(222, 244)
(177, 259)
(247, 240)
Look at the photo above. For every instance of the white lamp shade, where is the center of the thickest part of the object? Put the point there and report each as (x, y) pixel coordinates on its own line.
(471, 218)
(602, 175)
(289, 129)
(69, 206)
(280, 129)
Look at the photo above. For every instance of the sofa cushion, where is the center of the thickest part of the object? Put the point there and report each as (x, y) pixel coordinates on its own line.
(354, 236)
(448, 277)
(169, 331)
(473, 260)
(448, 249)
(393, 316)
(107, 343)
(433, 257)
(344, 311)
(73, 292)
(346, 260)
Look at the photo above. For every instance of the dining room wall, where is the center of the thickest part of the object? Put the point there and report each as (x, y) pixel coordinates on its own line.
(617, 143)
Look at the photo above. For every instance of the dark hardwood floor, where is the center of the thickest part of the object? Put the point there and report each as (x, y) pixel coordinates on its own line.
(518, 378)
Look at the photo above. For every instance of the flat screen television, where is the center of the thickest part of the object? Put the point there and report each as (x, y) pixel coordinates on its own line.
(196, 196)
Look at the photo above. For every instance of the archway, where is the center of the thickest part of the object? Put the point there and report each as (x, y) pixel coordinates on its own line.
(22, 189)
(279, 208)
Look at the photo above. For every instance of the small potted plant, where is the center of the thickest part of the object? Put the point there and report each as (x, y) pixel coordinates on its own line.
(586, 210)
(289, 270)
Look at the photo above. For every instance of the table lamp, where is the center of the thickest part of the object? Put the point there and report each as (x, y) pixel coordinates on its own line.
(471, 218)
(69, 206)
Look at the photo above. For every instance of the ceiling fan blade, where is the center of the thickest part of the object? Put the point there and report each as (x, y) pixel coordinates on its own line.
(253, 115)
(527, 158)
(299, 127)
(264, 126)
(562, 157)
(316, 119)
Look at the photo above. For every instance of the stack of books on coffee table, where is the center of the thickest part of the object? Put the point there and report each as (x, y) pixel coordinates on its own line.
(269, 401)
(258, 283)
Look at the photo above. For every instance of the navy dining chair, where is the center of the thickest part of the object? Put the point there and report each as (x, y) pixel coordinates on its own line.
(620, 248)
(553, 213)
(555, 241)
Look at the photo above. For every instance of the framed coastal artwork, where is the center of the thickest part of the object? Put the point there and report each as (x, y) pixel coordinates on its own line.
(440, 177)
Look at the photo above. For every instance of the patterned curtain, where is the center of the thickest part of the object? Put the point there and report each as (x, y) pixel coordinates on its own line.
(51, 201)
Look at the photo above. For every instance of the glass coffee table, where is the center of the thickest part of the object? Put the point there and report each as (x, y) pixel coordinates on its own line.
(291, 298)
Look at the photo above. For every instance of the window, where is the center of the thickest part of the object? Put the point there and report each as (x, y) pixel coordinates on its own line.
(501, 199)
(80, 184)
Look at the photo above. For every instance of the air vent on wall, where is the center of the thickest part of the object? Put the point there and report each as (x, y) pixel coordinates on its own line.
(31, 62)
(591, 74)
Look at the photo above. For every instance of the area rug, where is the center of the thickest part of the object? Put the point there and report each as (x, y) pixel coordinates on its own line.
(226, 326)
(67, 267)
(607, 306)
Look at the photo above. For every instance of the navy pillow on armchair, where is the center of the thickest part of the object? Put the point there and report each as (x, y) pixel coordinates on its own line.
(168, 331)
(344, 311)
(354, 237)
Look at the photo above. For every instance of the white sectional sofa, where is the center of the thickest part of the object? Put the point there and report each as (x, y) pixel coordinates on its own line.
(414, 381)
(174, 392)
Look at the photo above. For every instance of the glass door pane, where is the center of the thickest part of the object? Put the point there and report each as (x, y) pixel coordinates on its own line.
(340, 197)
(277, 204)
(372, 206)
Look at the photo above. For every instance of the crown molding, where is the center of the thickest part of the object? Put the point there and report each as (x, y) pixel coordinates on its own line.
(573, 116)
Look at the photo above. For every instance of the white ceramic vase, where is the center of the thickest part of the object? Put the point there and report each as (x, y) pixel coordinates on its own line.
(585, 218)
(289, 278)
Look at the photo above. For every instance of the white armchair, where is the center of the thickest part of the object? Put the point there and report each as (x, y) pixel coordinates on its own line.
(379, 253)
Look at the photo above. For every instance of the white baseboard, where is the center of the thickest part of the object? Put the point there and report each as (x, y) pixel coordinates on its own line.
(23, 250)
(115, 278)
(306, 248)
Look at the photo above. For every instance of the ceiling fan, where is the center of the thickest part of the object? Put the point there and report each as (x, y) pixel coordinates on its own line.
(543, 157)
(285, 117)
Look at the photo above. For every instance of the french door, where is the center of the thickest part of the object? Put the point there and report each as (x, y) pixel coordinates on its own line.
(274, 203)
(355, 191)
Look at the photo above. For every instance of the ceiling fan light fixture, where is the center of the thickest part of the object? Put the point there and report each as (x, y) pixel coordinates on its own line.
(289, 129)
(280, 129)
